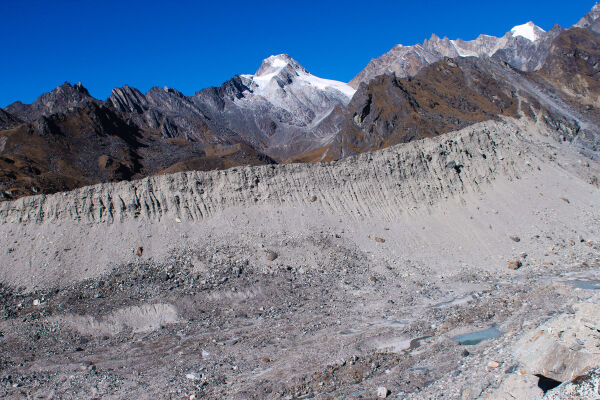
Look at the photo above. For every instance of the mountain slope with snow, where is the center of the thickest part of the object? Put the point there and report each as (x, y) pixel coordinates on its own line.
(529, 31)
(279, 107)
(524, 47)
(273, 66)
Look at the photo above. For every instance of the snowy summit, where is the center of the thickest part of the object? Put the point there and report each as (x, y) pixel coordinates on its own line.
(279, 65)
(529, 31)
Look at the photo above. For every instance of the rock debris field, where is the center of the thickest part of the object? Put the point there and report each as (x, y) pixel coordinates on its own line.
(460, 267)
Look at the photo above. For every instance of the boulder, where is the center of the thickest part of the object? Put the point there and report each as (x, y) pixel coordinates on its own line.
(382, 392)
(515, 264)
(565, 347)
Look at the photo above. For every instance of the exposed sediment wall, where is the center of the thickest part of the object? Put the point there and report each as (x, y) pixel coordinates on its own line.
(385, 183)
(443, 202)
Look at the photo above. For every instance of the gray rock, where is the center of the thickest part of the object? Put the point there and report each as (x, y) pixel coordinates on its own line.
(271, 255)
(564, 347)
(62, 99)
(382, 392)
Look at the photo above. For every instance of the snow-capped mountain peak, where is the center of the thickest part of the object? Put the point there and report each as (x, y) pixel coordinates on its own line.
(274, 64)
(288, 70)
(529, 31)
(595, 12)
(283, 107)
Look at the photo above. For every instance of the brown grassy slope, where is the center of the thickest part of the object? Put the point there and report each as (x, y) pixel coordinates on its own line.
(65, 151)
(219, 157)
(93, 144)
(8, 120)
(573, 65)
(444, 97)
(315, 155)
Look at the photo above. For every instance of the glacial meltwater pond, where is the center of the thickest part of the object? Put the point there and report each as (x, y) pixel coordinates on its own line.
(473, 338)
(584, 284)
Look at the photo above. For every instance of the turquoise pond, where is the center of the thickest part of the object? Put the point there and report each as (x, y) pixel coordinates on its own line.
(473, 338)
(584, 284)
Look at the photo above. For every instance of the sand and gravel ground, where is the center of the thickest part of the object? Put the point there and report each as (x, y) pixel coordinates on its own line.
(314, 281)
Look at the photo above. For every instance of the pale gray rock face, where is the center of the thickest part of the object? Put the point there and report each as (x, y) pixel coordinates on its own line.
(565, 347)
(591, 20)
(562, 350)
(524, 47)
(401, 60)
(128, 99)
(526, 55)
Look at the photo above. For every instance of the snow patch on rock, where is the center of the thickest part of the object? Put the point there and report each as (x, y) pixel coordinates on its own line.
(529, 31)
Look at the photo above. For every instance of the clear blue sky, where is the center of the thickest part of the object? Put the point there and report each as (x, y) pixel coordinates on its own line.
(190, 45)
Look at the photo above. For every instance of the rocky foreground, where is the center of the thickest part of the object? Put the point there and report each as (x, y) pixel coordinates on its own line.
(463, 266)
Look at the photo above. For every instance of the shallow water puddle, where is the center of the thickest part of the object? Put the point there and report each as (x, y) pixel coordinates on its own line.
(473, 338)
(584, 284)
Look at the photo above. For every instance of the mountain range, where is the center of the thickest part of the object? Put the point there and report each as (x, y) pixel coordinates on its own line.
(283, 113)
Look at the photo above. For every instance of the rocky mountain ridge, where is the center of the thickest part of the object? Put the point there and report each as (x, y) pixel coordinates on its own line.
(64, 98)
(591, 20)
(279, 108)
(524, 47)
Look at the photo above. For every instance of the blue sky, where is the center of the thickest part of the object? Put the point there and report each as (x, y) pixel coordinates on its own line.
(190, 45)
